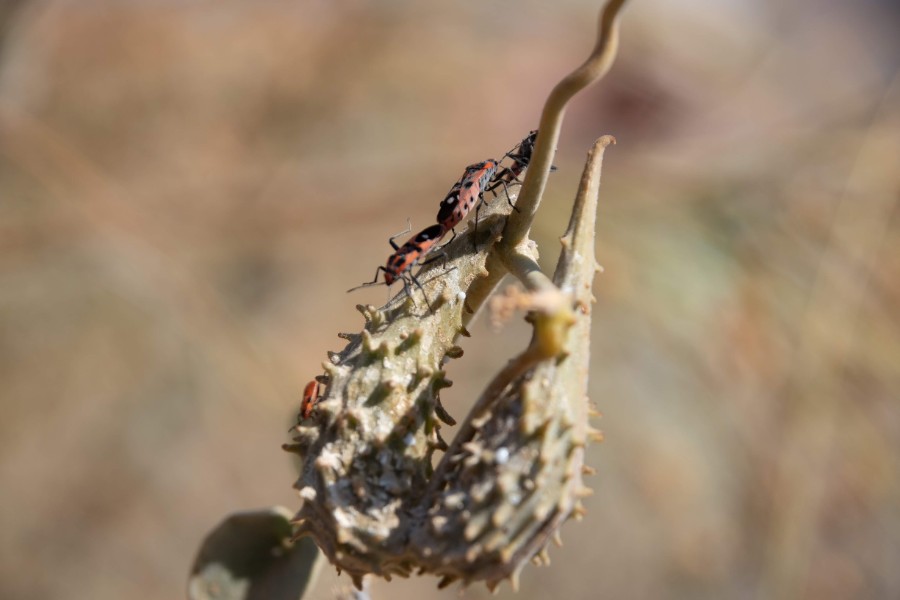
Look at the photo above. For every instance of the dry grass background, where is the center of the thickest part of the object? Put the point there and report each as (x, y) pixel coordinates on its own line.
(187, 189)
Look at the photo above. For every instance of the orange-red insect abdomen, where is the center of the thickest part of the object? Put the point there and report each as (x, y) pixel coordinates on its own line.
(310, 398)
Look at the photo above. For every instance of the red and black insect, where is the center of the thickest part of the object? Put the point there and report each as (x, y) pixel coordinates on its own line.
(450, 213)
(310, 399)
(400, 263)
(521, 156)
(465, 195)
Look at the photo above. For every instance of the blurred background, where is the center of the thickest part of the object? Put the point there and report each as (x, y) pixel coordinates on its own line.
(187, 189)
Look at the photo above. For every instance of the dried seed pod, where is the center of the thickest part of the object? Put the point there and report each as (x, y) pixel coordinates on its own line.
(371, 452)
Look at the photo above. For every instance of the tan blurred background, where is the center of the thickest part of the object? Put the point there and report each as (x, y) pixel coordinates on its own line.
(187, 189)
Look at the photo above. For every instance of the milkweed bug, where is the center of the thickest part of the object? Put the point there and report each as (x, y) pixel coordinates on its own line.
(400, 263)
(451, 213)
(309, 401)
(465, 194)
(521, 157)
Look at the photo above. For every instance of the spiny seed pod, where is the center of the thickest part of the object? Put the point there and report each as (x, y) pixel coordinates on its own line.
(369, 452)
(513, 474)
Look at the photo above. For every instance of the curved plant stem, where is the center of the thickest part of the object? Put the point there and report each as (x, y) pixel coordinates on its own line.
(519, 222)
(595, 67)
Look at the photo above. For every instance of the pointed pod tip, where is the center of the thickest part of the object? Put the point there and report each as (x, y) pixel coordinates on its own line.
(595, 435)
(557, 539)
(514, 581)
(584, 492)
(454, 352)
(357, 581)
(579, 511)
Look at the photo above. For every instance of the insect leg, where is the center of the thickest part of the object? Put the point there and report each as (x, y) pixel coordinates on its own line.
(396, 235)
(427, 301)
(368, 283)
